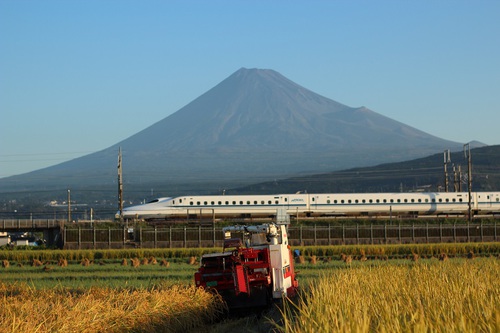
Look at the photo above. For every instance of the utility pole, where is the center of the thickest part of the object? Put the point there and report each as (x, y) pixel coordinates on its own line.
(459, 178)
(69, 206)
(120, 185)
(456, 179)
(469, 177)
(447, 160)
(92, 217)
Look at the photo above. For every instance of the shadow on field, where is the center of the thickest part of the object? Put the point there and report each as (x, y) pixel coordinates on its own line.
(253, 321)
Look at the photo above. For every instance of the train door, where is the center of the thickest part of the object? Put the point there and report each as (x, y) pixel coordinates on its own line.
(490, 199)
(314, 201)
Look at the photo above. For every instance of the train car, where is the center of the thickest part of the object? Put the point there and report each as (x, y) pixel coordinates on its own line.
(323, 204)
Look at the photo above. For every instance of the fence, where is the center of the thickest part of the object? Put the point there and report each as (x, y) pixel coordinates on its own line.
(22, 224)
(172, 237)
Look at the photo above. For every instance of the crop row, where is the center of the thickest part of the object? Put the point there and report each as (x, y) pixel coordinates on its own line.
(170, 309)
(390, 251)
(403, 250)
(54, 255)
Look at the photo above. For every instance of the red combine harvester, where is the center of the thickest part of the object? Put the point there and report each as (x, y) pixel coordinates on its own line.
(257, 270)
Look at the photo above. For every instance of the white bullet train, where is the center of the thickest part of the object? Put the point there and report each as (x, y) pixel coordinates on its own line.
(326, 204)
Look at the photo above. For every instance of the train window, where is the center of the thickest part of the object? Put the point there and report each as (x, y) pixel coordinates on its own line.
(399, 200)
(412, 200)
(276, 202)
(419, 200)
(173, 202)
(356, 201)
(248, 202)
(234, 202)
(384, 201)
(406, 200)
(269, 202)
(241, 202)
(440, 200)
(433, 200)
(219, 203)
(205, 203)
(349, 201)
(227, 202)
(197, 203)
(392, 200)
(313, 199)
(255, 202)
(453, 199)
(488, 197)
(426, 200)
(191, 203)
(447, 200)
(363, 201)
(341, 201)
(461, 199)
(497, 199)
(262, 202)
(286, 199)
(180, 200)
(335, 201)
(328, 201)
(213, 203)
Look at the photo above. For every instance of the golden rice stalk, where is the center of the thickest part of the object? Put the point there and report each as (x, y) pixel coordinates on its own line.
(36, 263)
(192, 260)
(5, 263)
(165, 263)
(135, 262)
(459, 296)
(124, 262)
(144, 261)
(62, 262)
(300, 260)
(152, 261)
(313, 260)
(85, 262)
(163, 309)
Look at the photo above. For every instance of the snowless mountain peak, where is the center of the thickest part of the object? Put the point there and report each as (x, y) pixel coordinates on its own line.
(256, 123)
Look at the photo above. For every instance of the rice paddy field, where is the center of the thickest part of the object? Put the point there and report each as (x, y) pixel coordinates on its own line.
(433, 288)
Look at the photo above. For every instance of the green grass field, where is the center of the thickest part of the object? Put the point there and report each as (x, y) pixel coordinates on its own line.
(106, 270)
(105, 273)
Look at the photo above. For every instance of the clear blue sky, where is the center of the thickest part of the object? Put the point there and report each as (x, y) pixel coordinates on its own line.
(79, 76)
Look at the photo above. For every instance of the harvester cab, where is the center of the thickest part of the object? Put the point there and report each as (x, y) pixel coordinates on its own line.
(253, 270)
